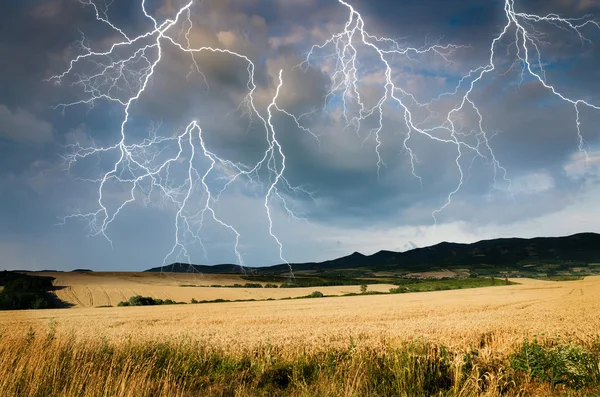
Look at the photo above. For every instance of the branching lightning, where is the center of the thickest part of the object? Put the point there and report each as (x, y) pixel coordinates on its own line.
(121, 75)
(346, 80)
(138, 166)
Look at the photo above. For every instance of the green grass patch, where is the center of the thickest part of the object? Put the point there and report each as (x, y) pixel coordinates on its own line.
(563, 278)
(412, 285)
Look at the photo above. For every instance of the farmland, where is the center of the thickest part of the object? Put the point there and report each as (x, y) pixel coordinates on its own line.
(454, 318)
(491, 327)
(89, 289)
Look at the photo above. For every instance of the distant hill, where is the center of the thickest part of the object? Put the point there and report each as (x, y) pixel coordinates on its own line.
(548, 254)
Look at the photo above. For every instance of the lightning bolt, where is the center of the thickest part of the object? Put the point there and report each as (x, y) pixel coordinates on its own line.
(122, 80)
(121, 75)
(347, 45)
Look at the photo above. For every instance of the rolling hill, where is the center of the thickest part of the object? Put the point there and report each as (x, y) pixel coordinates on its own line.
(547, 255)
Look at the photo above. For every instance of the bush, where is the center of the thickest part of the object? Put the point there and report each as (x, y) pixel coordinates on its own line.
(40, 303)
(269, 285)
(564, 364)
(315, 294)
(22, 291)
(139, 300)
(252, 285)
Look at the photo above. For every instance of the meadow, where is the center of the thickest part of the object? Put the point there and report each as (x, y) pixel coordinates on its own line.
(536, 338)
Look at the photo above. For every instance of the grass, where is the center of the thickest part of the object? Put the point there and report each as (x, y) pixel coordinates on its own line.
(563, 278)
(411, 285)
(464, 343)
(246, 285)
(327, 280)
(47, 364)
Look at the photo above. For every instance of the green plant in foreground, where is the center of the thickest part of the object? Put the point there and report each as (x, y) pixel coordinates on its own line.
(64, 366)
(569, 364)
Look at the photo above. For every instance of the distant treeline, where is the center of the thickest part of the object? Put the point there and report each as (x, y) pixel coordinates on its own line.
(315, 281)
(139, 300)
(20, 291)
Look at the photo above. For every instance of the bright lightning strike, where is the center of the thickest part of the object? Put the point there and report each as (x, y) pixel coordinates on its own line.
(122, 74)
(346, 82)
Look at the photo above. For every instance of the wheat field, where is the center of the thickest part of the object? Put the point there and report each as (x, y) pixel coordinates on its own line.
(569, 309)
(93, 289)
(471, 342)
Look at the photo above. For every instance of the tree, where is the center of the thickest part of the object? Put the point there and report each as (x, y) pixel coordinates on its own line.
(363, 288)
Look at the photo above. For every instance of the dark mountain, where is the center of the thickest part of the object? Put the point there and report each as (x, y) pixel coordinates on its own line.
(188, 268)
(503, 253)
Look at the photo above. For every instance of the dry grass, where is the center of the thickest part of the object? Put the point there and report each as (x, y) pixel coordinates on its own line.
(369, 335)
(47, 364)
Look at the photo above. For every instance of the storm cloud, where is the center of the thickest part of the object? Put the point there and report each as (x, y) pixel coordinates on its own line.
(353, 199)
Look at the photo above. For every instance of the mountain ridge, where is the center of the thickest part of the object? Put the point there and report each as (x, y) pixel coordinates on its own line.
(501, 253)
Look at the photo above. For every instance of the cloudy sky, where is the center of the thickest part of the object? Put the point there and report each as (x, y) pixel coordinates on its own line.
(369, 161)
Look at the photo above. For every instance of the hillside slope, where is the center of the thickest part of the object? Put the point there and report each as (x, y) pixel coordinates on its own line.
(546, 254)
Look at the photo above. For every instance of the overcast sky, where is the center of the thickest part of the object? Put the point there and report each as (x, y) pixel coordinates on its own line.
(350, 198)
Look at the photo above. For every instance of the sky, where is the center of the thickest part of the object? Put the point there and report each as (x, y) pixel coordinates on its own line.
(72, 197)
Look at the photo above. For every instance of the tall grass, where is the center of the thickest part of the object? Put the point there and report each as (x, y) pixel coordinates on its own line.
(36, 365)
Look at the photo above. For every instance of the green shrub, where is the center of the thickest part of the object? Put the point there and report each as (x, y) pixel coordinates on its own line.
(315, 294)
(22, 291)
(139, 300)
(40, 303)
(252, 285)
(565, 364)
(278, 376)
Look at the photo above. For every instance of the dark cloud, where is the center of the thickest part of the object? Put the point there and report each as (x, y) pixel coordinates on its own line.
(532, 133)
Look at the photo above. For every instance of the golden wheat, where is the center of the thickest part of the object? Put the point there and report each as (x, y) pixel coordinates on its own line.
(356, 345)
(457, 318)
(108, 289)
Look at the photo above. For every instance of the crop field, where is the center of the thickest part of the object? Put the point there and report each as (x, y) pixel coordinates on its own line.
(91, 289)
(448, 343)
(454, 318)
